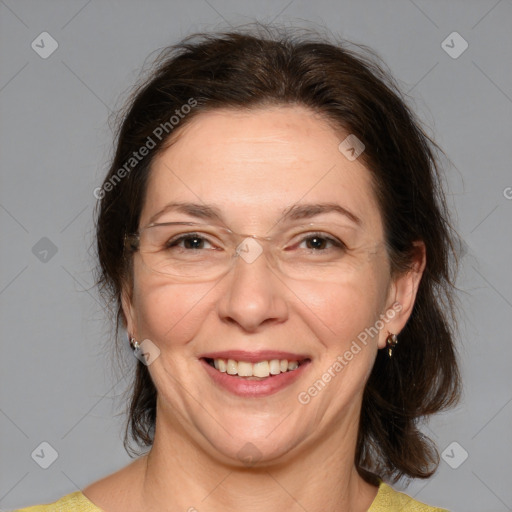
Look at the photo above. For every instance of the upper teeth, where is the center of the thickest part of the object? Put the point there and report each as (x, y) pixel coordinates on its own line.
(259, 369)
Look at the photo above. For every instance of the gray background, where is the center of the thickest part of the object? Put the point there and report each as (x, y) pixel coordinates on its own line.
(58, 383)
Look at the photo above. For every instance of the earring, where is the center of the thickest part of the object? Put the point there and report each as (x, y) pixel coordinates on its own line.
(391, 343)
(134, 343)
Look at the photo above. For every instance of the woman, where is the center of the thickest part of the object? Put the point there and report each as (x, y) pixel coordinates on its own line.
(274, 236)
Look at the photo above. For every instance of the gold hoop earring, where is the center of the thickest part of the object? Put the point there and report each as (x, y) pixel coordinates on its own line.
(391, 343)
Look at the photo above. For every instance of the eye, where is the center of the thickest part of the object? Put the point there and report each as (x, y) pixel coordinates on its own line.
(194, 241)
(320, 242)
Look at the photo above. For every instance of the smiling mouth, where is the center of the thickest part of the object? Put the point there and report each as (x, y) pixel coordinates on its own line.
(255, 371)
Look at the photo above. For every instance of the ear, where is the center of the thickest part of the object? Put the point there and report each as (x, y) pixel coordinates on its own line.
(402, 294)
(128, 311)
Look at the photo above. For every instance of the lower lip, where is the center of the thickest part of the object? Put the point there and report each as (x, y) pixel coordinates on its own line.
(254, 388)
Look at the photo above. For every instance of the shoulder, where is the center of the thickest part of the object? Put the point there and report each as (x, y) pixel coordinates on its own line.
(112, 492)
(388, 500)
(74, 502)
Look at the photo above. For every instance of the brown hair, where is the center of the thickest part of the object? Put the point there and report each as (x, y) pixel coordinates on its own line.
(264, 66)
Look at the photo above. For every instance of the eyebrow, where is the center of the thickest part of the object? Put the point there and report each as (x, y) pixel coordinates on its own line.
(295, 212)
(305, 211)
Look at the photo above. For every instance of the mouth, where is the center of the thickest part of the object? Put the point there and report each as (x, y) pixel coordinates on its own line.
(258, 370)
(254, 375)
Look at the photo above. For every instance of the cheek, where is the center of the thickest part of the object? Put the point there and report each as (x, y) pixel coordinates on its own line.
(339, 312)
(170, 313)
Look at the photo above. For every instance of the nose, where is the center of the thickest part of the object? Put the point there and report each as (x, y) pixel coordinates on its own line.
(253, 293)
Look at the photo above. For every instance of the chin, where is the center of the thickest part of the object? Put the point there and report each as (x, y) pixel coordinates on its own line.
(255, 452)
(252, 443)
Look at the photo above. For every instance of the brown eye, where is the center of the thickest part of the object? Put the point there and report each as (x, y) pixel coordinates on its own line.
(319, 242)
(192, 241)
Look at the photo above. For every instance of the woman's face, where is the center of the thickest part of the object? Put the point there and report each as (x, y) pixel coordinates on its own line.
(252, 166)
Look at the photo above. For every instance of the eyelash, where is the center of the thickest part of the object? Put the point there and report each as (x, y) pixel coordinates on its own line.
(336, 243)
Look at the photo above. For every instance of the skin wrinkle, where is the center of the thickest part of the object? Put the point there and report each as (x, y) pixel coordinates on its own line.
(201, 428)
(212, 213)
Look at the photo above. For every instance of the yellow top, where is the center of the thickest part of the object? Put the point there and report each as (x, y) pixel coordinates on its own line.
(387, 500)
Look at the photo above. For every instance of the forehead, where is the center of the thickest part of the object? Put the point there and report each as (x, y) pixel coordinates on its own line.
(254, 164)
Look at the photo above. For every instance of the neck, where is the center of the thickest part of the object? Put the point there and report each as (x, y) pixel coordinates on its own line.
(179, 475)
